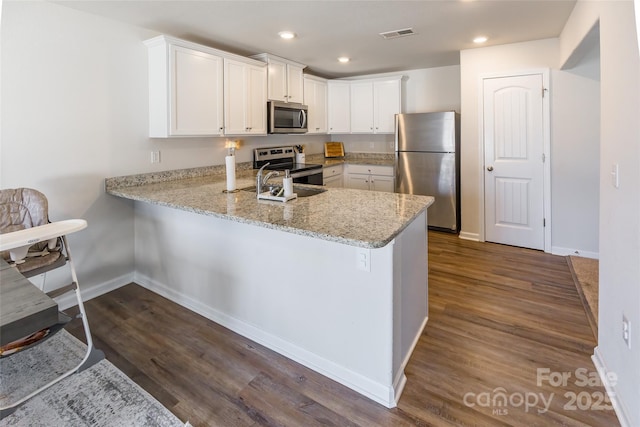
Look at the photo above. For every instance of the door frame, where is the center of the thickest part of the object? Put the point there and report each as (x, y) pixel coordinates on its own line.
(546, 141)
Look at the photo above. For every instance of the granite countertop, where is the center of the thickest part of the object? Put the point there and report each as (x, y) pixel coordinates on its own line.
(368, 219)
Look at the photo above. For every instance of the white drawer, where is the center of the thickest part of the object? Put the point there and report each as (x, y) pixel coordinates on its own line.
(371, 169)
(330, 171)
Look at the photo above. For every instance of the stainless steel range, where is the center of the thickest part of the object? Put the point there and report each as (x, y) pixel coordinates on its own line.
(282, 158)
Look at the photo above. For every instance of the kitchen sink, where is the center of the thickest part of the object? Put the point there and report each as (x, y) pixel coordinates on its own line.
(308, 191)
(300, 191)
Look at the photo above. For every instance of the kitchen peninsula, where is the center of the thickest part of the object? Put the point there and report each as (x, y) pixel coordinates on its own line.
(336, 281)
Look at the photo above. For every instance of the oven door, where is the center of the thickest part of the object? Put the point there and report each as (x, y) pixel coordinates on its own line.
(313, 178)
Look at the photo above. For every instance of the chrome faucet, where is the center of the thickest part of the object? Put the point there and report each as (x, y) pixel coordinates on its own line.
(260, 181)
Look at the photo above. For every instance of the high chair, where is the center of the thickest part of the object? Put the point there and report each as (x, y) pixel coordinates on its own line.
(31, 245)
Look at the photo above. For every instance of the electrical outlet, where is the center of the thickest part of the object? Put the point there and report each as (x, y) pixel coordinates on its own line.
(363, 259)
(155, 157)
(615, 175)
(626, 331)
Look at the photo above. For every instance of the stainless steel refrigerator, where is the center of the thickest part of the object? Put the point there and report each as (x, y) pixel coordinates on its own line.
(428, 163)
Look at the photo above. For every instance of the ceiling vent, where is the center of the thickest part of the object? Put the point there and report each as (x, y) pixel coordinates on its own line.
(397, 33)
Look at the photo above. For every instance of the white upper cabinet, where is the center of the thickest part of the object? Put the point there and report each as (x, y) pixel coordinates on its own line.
(374, 104)
(295, 82)
(315, 97)
(245, 98)
(386, 104)
(361, 107)
(185, 89)
(339, 110)
(285, 78)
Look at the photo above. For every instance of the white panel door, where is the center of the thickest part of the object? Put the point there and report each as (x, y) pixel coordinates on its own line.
(514, 164)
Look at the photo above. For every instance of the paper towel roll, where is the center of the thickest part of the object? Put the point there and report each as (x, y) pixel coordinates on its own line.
(230, 163)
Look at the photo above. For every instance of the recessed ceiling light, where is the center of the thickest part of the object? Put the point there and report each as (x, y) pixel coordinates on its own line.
(480, 39)
(287, 35)
(344, 59)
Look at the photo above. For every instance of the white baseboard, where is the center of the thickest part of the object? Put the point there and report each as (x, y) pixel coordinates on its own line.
(69, 299)
(556, 250)
(603, 372)
(385, 395)
(469, 236)
(401, 379)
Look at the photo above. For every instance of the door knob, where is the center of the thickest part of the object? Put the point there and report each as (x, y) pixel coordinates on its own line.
(490, 168)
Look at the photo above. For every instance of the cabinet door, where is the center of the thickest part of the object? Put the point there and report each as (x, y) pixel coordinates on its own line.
(362, 107)
(245, 99)
(382, 183)
(339, 108)
(196, 93)
(295, 88)
(257, 99)
(277, 81)
(358, 181)
(235, 97)
(315, 97)
(386, 104)
(321, 107)
(336, 181)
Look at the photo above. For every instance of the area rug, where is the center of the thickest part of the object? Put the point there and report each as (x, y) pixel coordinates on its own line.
(585, 274)
(99, 396)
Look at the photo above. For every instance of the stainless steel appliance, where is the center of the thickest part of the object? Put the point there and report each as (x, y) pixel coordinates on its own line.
(283, 158)
(286, 117)
(428, 163)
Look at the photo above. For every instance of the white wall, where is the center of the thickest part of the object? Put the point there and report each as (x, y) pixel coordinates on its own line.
(423, 90)
(619, 292)
(574, 140)
(475, 63)
(575, 156)
(74, 111)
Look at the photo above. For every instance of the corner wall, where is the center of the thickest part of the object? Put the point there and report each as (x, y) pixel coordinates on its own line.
(619, 284)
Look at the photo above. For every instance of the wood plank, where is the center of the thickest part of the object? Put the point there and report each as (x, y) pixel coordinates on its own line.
(496, 314)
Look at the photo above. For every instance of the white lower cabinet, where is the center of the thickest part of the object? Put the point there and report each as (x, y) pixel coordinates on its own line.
(333, 176)
(370, 177)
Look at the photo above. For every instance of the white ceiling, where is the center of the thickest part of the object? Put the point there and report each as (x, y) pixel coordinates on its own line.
(333, 28)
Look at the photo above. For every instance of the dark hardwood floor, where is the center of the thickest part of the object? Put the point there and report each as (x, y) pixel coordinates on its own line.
(505, 325)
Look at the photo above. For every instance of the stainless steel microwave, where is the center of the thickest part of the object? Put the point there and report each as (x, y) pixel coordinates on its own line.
(286, 117)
